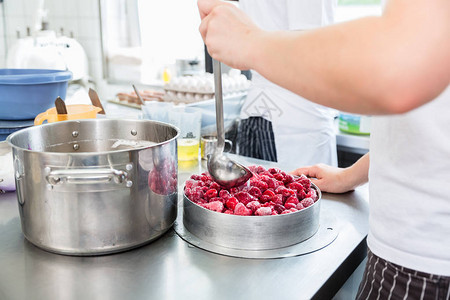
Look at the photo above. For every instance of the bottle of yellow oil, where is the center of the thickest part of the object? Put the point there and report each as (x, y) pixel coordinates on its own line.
(188, 149)
(166, 76)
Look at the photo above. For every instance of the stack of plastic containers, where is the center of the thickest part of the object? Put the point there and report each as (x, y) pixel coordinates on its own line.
(24, 93)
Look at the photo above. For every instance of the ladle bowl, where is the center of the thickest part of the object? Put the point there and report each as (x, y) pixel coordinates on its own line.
(227, 172)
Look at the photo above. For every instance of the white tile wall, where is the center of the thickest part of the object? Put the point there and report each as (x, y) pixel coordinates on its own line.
(89, 28)
(14, 8)
(81, 17)
(88, 8)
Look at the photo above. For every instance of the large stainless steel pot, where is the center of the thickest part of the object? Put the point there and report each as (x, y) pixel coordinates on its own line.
(80, 196)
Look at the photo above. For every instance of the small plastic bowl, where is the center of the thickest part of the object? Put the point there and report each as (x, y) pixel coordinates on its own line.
(24, 93)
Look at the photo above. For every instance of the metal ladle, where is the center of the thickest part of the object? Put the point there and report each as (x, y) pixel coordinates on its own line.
(223, 170)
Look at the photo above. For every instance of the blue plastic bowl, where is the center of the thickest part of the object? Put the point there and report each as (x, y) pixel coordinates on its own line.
(24, 93)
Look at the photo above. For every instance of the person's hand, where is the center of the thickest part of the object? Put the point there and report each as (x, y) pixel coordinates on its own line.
(228, 33)
(327, 178)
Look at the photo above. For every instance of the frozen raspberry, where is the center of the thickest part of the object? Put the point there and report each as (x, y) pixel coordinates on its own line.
(265, 177)
(253, 205)
(261, 185)
(197, 194)
(279, 177)
(244, 197)
(278, 208)
(266, 174)
(292, 199)
(260, 169)
(272, 183)
(241, 210)
(224, 194)
(234, 190)
(301, 177)
(288, 179)
(231, 203)
(190, 183)
(255, 192)
(297, 186)
(228, 212)
(285, 191)
(196, 177)
(280, 189)
(312, 194)
(301, 194)
(214, 206)
(263, 211)
(265, 198)
(215, 186)
(216, 199)
(307, 202)
(211, 194)
(269, 204)
(299, 206)
(274, 170)
(290, 205)
(269, 193)
(289, 193)
(256, 169)
(277, 199)
(305, 181)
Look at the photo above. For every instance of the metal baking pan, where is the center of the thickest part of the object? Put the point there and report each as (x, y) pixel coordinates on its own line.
(252, 232)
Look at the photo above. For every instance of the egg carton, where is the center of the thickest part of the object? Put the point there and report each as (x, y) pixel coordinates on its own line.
(204, 84)
(186, 97)
(182, 97)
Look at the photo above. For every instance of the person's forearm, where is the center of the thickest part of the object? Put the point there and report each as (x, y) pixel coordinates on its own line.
(358, 173)
(375, 65)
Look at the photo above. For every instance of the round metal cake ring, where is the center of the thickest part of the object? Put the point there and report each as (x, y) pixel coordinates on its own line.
(324, 236)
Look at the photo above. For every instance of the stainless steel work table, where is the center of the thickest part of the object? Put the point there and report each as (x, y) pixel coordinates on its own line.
(170, 268)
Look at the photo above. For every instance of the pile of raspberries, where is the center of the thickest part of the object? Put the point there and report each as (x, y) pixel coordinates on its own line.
(268, 192)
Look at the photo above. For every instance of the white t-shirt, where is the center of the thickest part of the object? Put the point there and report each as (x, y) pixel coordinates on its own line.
(304, 131)
(289, 14)
(409, 187)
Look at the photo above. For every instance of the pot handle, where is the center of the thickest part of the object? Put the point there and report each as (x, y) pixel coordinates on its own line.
(93, 176)
(19, 174)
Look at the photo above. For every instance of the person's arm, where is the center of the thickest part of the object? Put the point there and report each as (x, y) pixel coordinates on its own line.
(375, 65)
(337, 180)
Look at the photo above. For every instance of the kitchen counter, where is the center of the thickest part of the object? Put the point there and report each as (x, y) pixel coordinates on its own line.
(170, 268)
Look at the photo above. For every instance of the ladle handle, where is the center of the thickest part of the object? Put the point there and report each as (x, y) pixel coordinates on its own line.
(219, 106)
